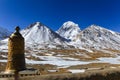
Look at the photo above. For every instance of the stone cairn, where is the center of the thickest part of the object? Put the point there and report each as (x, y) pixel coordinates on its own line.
(16, 56)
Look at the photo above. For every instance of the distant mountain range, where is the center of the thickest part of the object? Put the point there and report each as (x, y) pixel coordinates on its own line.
(4, 33)
(69, 35)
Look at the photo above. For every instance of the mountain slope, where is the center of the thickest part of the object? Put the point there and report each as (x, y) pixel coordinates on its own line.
(38, 33)
(4, 33)
(98, 37)
(69, 30)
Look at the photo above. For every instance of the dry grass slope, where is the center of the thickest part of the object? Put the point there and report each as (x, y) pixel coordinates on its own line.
(107, 74)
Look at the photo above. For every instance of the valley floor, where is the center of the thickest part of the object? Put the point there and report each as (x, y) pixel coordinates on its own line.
(68, 61)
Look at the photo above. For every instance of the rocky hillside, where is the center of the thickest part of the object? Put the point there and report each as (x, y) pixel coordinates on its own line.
(4, 33)
(97, 37)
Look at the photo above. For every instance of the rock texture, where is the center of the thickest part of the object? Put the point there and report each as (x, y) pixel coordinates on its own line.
(16, 58)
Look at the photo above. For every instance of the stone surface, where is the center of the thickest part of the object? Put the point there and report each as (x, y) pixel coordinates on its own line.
(16, 57)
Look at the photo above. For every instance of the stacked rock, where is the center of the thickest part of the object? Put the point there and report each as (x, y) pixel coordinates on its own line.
(16, 56)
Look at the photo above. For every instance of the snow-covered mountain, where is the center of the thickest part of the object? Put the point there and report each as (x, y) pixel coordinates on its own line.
(98, 37)
(69, 30)
(93, 43)
(38, 33)
(4, 33)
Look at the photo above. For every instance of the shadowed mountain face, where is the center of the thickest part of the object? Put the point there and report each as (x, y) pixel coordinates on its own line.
(4, 33)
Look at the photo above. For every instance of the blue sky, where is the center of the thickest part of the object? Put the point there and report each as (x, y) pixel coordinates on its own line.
(54, 13)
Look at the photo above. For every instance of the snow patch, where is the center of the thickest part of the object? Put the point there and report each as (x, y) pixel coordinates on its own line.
(77, 70)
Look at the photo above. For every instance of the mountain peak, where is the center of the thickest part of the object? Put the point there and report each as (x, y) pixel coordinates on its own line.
(94, 26)
(39, 24)
(98, 29)
(36, 24)
(39, 33)
(69, 30)
(70, 24)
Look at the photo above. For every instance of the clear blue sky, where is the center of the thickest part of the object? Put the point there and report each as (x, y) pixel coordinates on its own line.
(54, 13)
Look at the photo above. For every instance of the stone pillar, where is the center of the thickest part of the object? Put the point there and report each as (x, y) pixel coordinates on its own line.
(16, 57)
